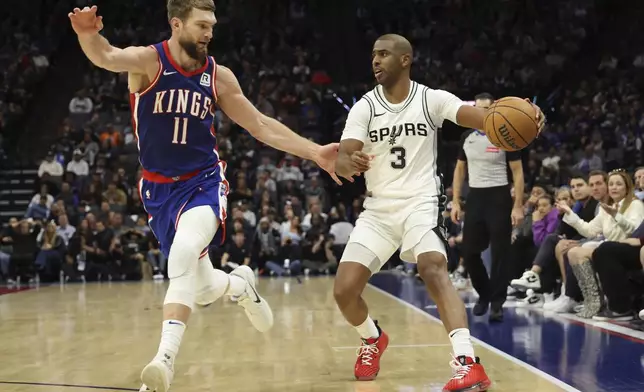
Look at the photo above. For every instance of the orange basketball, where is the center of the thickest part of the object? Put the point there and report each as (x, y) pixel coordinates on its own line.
(511, 124)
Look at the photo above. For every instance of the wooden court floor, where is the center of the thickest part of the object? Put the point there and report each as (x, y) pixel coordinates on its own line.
(99, 336)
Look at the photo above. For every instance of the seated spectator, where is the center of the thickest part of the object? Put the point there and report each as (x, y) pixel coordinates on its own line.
(98, 250)
(156, 258)
(315, 210)
(615, 222)
(78, 165)
(64, 229)
(6, 248)
(615, 262)
(38, 212)
(67, 195)
(545, 217)
(44, 191)
(51, 251)
(127, 253)
(289, 172)
(116, 198)
(317, 254)
(51, 167)
(236, 254)
(265, 244)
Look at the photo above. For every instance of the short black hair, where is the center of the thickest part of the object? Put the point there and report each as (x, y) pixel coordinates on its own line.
(577, 175)
(484, 96)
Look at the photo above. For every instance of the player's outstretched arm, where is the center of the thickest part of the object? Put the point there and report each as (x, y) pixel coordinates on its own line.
(232, 101)
(450, 107)
(98, 50)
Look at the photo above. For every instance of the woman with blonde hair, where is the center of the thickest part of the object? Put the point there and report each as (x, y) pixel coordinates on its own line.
(616, 221)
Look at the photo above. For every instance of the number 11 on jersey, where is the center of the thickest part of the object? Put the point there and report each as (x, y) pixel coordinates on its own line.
(184, 130)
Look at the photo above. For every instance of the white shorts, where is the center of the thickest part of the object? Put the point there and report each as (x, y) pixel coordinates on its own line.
(412, 225)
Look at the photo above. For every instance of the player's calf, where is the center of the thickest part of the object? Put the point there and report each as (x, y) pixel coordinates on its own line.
(468, 373)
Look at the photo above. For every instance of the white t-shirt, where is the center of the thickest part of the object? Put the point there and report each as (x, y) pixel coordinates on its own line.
(403, 138)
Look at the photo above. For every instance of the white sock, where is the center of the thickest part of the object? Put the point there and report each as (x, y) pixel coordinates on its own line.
(461, 342)
(236, 286)
(460, 269)
(368, 329)
(171, 336)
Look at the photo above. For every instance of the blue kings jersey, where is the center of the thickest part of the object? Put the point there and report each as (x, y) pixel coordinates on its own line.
(173, 118)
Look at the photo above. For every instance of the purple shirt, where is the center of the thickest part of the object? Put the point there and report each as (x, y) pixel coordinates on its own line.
(545, 226)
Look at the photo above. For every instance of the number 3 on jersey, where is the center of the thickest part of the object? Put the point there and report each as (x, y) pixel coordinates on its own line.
(399, 162)
(183, 124)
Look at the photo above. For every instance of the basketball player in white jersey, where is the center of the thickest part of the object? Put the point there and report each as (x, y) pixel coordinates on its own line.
(391, 136)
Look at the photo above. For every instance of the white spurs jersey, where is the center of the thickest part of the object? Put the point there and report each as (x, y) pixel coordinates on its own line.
(403, 138)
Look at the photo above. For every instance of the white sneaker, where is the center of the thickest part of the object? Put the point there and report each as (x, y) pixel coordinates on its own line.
(157, 376)
(529, 280)
(460, 283)
(578, 308)
(641, 314)
(563, 304)
(158, 276)
(555, 303)
(533, 300)
(257, 309)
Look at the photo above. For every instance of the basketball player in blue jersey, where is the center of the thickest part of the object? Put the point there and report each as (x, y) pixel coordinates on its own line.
(174, 86)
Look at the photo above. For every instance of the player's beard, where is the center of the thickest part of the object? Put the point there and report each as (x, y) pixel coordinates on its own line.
(192, 49)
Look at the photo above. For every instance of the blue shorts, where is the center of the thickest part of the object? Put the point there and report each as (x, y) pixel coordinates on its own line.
(165, 202)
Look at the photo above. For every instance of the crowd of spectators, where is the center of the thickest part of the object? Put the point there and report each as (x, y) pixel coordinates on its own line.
(25, 49)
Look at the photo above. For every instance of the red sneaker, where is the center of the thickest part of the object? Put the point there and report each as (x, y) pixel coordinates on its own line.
(469, 376)
(369, 353)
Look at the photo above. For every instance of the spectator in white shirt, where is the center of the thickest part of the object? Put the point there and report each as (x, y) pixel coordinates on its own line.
(315, 208)
(552, 160)
(267, 166)
(81, 104)
(64, 229)
(289, 172)
(51, 167)
(78, 165)
(44, 191)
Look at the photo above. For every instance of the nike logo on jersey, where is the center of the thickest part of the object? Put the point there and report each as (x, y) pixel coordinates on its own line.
(166, 73)
(378, 114)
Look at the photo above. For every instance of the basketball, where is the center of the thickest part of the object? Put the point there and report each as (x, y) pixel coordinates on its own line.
(511, 124)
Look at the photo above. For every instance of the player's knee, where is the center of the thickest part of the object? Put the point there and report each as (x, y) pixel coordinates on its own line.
(432, 267)
(182, 287)
(185, 251)
(347, 288)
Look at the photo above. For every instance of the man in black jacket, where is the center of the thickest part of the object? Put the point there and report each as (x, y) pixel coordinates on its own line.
(542, 276)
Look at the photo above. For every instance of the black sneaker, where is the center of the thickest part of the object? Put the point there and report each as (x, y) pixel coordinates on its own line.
(496, 313)
(480, 308)
(609, 315)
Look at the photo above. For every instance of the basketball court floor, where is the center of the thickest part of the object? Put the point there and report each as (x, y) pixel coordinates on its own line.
(99, 336)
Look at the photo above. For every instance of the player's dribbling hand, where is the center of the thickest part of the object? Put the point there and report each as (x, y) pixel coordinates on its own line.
(540, 117)
(86, 21)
